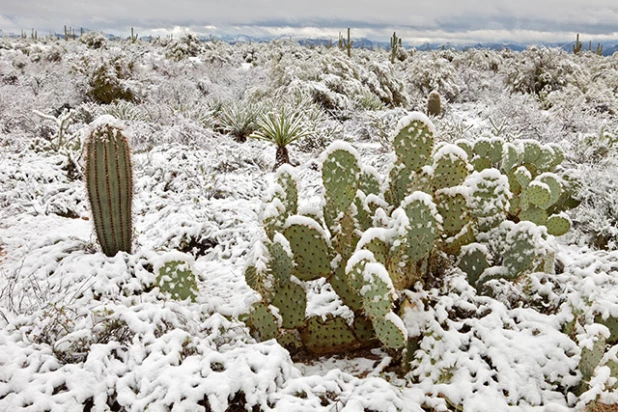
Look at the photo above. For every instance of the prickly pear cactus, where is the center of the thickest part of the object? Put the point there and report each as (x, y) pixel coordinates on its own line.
(109, 182)
(175, 277)
(372, 238)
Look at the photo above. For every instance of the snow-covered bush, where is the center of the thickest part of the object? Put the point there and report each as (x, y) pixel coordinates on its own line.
(93, 39)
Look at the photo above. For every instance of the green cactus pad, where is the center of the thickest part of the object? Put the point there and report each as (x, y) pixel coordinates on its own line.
(514, 205)
(496, 150)
(514, 185)
(279, 262)
(291, 300)
(555, 188)
(333, 335)
(558, 225)
(482, 147)
(537, 193)
(532, 151)
(467, 147)
(340, 177)
(473, 261)
(376, 290)
(309, 248)
(611, 322)
(523, 176)
(363, 216)
(289, 195)
(391, 331)
(557, 158)
(176, 279)
(480, 163)
(511, 157)
(377, 246)
(450, 167)
(422, 229)
(369, 182)
(400, 178)
(413, 143)
(363, 329)
(489, 197)
(261, 281)
(421, 181)
(544, 162)
(453, 244)
(349, 293)
(452, 206)
(535, 215)
(355, 270)
(345, 235)
(591, 357)
(520, 250)
(263, 322)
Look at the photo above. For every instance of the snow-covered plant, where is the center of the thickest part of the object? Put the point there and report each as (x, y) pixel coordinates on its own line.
(429, 71)
(597, 214)
(104, 86)
(93, 39)
(62, 140)
(281, 127)
(188, 45)
(240, 119)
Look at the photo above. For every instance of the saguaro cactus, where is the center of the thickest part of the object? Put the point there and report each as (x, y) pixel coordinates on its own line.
(109, 182)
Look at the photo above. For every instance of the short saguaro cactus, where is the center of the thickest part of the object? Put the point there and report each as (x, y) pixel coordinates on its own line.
(109, 182)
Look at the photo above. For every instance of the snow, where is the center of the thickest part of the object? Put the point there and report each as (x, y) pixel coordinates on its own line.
(77, 327)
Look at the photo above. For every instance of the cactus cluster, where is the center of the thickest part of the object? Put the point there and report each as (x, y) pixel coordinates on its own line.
(373, 239)
(109, 182)
(538, 193)
(346, 43)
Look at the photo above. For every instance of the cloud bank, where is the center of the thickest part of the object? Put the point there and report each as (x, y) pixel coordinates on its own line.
(455, 21)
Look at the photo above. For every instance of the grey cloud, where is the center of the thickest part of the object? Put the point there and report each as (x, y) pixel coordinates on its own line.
(448, 18)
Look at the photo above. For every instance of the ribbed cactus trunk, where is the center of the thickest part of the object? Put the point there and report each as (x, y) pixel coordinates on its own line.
(109, 182)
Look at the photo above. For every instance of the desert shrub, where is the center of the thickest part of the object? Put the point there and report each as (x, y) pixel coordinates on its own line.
(430, 71)
(93, 40)
(188, 45)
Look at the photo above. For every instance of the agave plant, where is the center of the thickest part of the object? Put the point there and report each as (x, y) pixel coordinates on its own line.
(281, 127)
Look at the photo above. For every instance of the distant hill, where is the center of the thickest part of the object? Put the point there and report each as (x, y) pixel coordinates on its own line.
(609, 48)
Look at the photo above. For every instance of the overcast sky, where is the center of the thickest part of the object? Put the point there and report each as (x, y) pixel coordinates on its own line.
(416, 21)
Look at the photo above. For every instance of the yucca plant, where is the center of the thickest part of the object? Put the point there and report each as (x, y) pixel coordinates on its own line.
(282, 127)
(240, 120)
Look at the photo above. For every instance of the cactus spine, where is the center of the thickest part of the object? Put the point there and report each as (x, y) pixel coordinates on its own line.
(109, 182)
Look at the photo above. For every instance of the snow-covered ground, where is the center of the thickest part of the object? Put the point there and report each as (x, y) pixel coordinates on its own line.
(82, 331)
